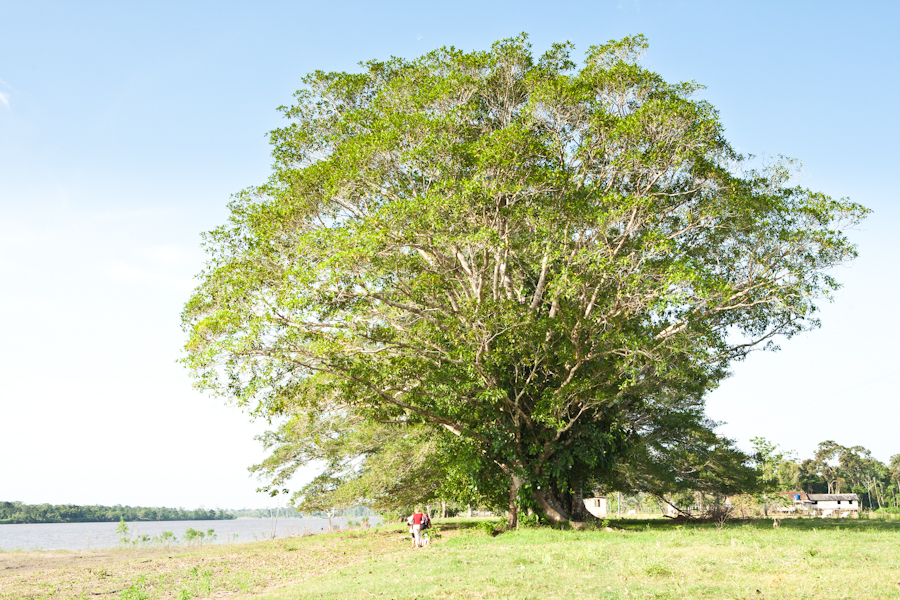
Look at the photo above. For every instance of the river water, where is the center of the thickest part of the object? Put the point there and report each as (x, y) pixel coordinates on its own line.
(88, 536)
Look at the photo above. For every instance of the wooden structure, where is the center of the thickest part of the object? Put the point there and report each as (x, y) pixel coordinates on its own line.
(596, 506)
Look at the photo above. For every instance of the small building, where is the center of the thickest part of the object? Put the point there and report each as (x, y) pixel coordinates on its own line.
(835, 502)
(822, 504)
(596, 506)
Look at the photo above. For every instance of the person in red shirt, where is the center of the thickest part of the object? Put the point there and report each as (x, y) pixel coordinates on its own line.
(416, 519)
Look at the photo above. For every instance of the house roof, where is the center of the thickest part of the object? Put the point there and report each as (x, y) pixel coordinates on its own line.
(791, 495)
(833, 497)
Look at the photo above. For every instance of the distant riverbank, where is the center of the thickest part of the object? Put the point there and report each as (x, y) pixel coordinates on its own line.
(98, 536)
(19, 513)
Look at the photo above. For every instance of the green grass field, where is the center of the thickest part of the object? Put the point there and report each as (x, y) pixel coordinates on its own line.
(823, 558)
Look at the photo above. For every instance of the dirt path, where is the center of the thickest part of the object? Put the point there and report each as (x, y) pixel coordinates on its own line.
(25, 562)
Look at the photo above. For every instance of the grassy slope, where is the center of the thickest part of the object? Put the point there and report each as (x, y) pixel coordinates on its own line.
(808, 558)
(830, 559)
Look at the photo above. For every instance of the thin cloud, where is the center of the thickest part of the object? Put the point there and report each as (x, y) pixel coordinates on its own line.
(126, 273)
(171, 255)
(136, 213)
(4, 98)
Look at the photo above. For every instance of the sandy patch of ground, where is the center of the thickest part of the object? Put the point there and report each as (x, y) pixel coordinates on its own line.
(218, 571)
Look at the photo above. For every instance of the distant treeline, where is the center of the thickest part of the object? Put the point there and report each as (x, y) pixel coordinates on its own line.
(17, 512)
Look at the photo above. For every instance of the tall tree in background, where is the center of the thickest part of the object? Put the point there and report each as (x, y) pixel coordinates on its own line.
(863, 473)
(542, 265)
(828, 466)
(894, 468)
(809, 479)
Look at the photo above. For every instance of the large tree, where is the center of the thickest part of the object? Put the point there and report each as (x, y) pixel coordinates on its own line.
(544, 261)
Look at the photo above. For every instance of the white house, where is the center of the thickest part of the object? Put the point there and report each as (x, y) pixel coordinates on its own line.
(835, 502)
(823, 504)
(596, 506)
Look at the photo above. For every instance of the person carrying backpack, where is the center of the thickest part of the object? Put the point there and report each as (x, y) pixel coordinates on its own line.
(416, 519)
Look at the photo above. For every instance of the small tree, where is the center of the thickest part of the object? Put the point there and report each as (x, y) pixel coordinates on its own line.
(122, 531)
(768, 461)
(166, 538)
(193, 535)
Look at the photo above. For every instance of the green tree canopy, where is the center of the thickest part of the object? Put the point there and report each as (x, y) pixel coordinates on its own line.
(363, 462)
(541, 263)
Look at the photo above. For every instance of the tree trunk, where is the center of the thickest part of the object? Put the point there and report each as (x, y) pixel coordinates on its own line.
(512, 522)
(877, 493)
(577, 510)
(443, 509)
(551, 506)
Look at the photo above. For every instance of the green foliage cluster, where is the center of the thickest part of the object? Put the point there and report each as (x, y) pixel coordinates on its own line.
(17, 512)
(265, 513)
(361, 524)
(138, 590)
(198, 584)
(195, 536)
(166, 538)
(290, 512)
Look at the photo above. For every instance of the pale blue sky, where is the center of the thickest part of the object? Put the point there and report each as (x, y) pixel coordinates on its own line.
(123, 130)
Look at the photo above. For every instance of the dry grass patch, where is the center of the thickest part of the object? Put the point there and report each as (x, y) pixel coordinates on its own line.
(218, 571)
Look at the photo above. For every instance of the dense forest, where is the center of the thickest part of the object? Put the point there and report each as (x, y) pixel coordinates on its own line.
(17, 512)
